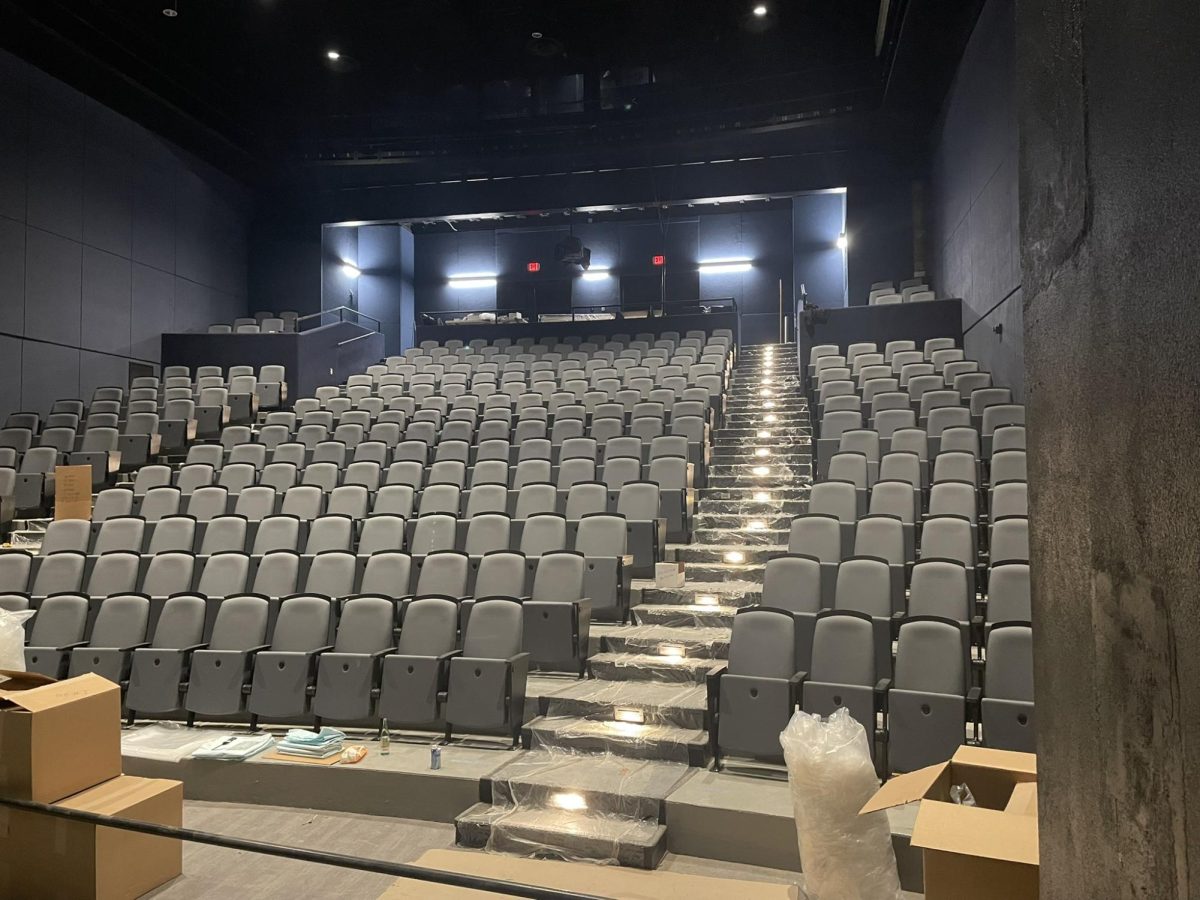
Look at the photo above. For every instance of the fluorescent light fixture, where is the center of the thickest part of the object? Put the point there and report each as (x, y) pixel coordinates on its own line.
(596, 274)
(725, 265)
(333, 54)
(350, 270)
(629, 714)
(843, 242)
(568, 800)
(473, 280)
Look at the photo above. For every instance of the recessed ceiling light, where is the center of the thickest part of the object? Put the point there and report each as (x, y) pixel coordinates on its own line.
(170, 12)
(332, 54)
(760, 10)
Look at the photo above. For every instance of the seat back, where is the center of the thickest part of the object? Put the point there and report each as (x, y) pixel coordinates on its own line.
(864, 584)
(559, 577)
(763, 644)
(495, 630)
(443, 573)
(180, 624)
(121, 622)
(241, 624)
(302, 625)
(843, 650)
(365, 626)
(940, 588)
(793, 583)
(430, 627)
(1009, 673)
(387, 574)
(60, 621)
(225, 575)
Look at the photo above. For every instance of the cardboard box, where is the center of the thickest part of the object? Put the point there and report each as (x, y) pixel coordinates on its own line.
(44, 856)
(72, 492)
(57, 738)
(988, 851)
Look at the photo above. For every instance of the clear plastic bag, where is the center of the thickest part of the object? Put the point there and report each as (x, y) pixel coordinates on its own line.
(12, 639)
(845, 856)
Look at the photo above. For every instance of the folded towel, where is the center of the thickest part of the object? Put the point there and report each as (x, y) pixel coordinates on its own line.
(303, 737)
(234, 747)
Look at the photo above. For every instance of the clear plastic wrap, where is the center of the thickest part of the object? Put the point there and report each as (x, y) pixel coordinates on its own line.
(12, 639)
(562, 804)
(844, 856)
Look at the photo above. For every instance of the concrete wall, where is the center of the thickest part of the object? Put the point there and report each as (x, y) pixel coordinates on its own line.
(974, 236)
(1110, 196)
(109, 236)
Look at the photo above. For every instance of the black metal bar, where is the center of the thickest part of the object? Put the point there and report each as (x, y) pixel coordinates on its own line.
(382, 867)
(995, 307)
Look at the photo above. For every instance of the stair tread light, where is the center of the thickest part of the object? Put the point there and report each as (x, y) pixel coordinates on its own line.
(757, 525)
(629, 714)
(735, 556)
(772, 418)
(769, 404)
(706, 599)
(762, 497)
(762, 451)
(671, 651)
(761, 470)
(764, 434)
(568, 800)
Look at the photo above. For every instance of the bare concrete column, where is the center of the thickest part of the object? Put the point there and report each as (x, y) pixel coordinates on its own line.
(1109, 97)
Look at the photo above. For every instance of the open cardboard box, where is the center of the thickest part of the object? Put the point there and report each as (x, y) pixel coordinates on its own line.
(986, 852)
(57, 738)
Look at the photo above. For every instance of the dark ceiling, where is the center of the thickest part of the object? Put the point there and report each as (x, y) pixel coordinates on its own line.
(458, 86)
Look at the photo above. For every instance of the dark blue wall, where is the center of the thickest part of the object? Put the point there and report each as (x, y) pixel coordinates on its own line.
(628, 247)
(109, 236)
(975, 239)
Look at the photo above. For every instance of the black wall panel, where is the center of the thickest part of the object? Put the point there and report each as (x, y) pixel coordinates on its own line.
(109, 236)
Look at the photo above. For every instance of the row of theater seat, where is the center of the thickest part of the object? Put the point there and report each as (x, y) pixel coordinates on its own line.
(896, 607)
(285, 322)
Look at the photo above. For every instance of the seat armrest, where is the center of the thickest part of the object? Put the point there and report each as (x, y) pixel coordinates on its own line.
(67, 647)
(795, 687)
(713, 681)
(884, 685)
(133, 647)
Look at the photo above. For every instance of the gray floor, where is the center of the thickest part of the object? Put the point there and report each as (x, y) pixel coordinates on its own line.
(212, 872)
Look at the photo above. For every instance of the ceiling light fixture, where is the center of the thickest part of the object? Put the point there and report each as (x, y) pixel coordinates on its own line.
(350, 270)
(760, 10)
(473, 280)
(725, 265)
(333, 54)
(843, 242)
(595, 274)
(171, 11)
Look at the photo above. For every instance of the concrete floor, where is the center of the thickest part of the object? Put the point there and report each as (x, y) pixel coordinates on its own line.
(213, 872)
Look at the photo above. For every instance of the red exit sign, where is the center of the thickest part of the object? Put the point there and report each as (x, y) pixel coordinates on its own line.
(534, 267)
(659, 260)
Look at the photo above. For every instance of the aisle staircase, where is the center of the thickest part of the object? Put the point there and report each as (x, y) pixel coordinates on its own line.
(607, 751)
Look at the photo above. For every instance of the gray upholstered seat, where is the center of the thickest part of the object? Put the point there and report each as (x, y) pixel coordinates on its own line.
(220, 672)
(120, 626)
(59, 625)
(284, 673)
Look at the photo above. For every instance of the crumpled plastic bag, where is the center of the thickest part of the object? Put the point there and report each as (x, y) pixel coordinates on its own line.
(12, 639)
(844, 856)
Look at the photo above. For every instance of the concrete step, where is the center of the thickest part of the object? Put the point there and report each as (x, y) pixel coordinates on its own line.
(668, 743)
(701, 594)
(657, 702)
(685, 616)
(563, 834)
(753, 532)
(707, 643)
(733, 555)
(651, 667)
(740, 520)
(604, 785)
(748, 573)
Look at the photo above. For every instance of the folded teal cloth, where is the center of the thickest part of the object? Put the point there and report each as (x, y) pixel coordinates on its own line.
(303, 737)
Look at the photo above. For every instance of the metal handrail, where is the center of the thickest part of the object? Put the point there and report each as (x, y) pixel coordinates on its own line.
(356, 338)
(382, 867)
(341, 314)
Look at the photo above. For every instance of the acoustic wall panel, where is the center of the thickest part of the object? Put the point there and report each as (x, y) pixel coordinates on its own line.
(94, 239)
